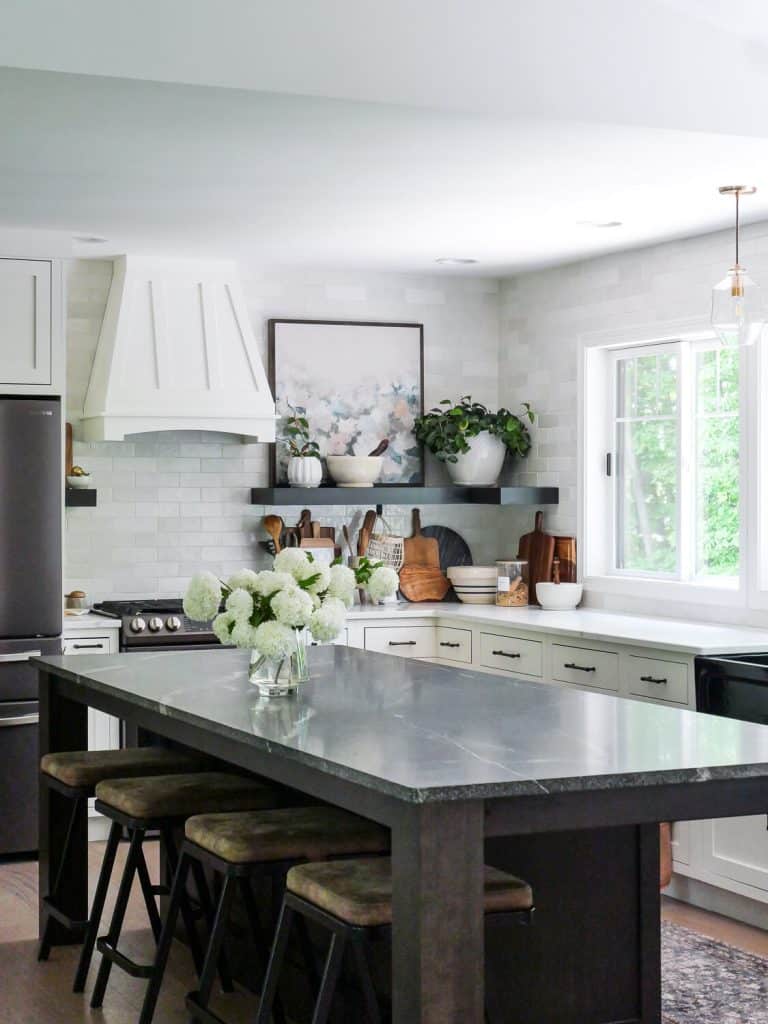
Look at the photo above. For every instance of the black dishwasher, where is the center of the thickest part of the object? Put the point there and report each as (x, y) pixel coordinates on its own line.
(733, 686)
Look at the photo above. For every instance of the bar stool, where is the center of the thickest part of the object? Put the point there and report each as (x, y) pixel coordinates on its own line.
(244, 847)
(156, 803)
(74, 774)
(353, 900)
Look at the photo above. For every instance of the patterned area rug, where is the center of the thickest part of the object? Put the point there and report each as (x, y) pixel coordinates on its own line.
(705, 982)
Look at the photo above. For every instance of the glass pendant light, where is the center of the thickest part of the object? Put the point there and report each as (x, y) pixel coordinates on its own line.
(738, 314)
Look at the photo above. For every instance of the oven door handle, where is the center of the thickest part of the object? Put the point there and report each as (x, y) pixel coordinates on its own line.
(19, 656)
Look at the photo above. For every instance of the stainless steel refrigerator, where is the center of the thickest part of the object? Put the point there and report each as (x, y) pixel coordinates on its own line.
(30, 598)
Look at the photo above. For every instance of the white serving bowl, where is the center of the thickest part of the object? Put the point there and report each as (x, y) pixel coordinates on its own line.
(472, 573)
(354, 470)
(79, 481)
(557, 597)
(477, 596)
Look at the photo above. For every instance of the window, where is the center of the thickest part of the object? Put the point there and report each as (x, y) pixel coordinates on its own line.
(674, 463)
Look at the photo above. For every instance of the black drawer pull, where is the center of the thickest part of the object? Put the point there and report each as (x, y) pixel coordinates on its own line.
(448, 643)
(580, 668)
(402, 643)
(83, 647)
(650, 679)
(505, 654)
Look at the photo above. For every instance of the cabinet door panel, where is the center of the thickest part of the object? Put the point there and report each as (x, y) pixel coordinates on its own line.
(585, 667)
(25, 328)
(737, 848)
(512, 654)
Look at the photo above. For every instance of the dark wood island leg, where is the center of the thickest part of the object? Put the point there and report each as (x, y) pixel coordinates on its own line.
(63, 726)
(437, 939)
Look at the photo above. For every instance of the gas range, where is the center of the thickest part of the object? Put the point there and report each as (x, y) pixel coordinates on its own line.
(157, 625)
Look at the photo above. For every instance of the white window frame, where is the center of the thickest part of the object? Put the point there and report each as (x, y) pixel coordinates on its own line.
(596, 530)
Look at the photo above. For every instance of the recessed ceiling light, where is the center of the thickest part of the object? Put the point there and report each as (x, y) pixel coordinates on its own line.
(456, 260)
(89, 239)
(600, 223)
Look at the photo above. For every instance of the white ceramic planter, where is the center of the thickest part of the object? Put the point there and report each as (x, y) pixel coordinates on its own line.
(481, 465)
(306, 472)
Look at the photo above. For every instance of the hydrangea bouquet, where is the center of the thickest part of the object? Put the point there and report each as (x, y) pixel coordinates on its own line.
(271, 613)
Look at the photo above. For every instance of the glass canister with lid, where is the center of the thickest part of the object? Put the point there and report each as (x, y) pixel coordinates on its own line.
(511, 583)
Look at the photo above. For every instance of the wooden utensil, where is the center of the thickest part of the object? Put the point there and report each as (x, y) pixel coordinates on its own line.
(348, 540)
(380, 448)
(538, 550)
(274, 526)
(423, 583)
(364, 538)
(565, 550)
(421, 550)
(304, 525)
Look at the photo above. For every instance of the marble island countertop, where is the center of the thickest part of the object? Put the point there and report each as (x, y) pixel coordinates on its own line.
(424, 732)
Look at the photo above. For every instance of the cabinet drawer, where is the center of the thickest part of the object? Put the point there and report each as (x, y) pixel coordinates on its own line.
(454, 644)
(86, 645)
(585, 667)
(403, 641)
(662, 680)
(511, 654)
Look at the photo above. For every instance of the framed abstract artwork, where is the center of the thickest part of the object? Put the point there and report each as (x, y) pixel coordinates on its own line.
(357, 384)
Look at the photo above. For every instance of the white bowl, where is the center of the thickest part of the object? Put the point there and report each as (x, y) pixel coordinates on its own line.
(354, 470)
(476, 597)
(559, 596)
(472, 573)
(79, 481)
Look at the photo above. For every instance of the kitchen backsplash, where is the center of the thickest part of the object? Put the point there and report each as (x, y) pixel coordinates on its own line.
(170, 504)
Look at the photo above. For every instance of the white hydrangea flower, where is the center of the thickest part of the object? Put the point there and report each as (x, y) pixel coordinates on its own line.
(243, 579)
(221, 625)
(243, 634)
(293, 607)
(342, 583)
(269, 582)
(383, 582)
(274, 640)
(240, 603)
(328, 621)
(293, 561)
(203, 597)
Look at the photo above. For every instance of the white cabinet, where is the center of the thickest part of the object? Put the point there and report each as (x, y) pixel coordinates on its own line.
(454, 644)
(658, 679)
(402, 641)
(585, 666)
(512, 654)
(26, 336)
(732, 850)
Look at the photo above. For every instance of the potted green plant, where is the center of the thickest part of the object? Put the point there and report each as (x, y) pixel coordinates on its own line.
(472, 441)
(304, 466)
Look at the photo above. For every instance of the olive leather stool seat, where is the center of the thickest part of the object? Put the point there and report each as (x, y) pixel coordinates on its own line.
(352, 900)
(74, 775)
(250, 846)
(160, 803)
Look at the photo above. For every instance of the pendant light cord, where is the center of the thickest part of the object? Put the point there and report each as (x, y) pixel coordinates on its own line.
(737, 229)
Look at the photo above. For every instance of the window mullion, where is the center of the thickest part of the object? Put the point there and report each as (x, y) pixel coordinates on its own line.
(687, 528)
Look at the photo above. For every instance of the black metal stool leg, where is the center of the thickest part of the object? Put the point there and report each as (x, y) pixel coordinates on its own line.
(360, 951)
(186, 911)
(149, 897)
(276, 957)
(204, 895)
(252, 913)
(333, 963)
(97, 908)
(166, 939)
(118, 916)
(44, 950)
(203, 995)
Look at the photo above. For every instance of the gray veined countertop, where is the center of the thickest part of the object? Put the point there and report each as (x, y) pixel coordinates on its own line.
(430, 732)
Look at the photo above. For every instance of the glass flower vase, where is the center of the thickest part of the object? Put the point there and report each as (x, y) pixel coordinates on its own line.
(280, 677)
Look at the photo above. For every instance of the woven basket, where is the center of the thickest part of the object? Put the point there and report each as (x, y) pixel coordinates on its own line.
(387, 548)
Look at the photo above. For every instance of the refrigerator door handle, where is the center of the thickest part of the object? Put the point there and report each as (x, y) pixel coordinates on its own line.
(19, 656)
(31, 719)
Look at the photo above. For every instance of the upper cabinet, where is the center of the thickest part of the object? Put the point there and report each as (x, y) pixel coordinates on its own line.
(31, 342)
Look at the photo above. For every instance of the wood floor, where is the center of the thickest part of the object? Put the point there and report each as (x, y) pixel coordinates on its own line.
(34, 993)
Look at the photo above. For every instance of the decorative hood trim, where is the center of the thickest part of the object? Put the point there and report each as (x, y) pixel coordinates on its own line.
(176, 352)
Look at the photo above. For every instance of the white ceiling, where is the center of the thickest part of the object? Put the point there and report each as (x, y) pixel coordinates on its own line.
(484, 128)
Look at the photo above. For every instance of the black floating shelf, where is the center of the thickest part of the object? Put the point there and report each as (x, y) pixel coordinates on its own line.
(393, 494)
(80, 497)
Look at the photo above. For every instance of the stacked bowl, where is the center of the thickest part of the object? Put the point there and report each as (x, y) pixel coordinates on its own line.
(474, 584)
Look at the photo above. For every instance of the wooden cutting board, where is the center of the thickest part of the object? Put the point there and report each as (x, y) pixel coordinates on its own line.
(538, 550)
(421, 550)
(423, 583)
(565, 550)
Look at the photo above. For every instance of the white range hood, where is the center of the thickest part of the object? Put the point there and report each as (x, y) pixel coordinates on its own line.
(176, 352)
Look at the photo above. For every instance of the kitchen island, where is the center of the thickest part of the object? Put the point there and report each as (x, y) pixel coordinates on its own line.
(562, 787)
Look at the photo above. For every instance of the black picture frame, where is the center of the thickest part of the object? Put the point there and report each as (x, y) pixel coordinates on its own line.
(272, 330)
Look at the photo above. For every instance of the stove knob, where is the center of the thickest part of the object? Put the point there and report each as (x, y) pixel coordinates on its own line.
(155, 624)
(172, 623)
(138, 625)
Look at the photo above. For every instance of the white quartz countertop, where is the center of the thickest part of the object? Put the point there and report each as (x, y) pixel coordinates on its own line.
(587, 624)
(77, 623)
